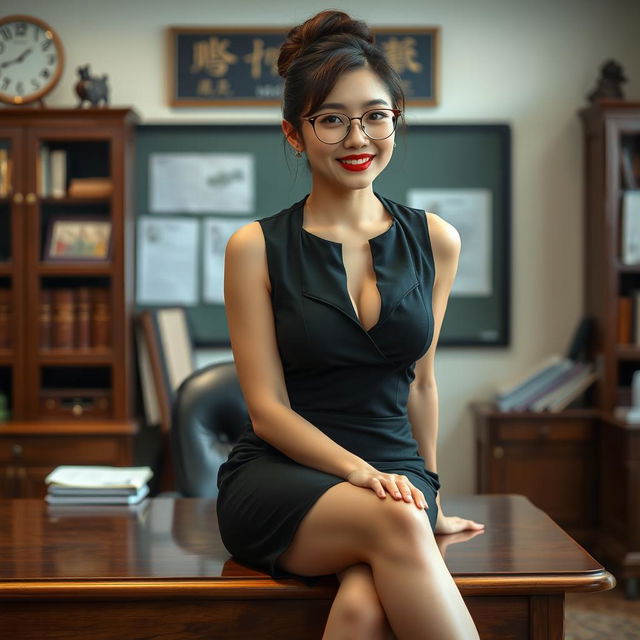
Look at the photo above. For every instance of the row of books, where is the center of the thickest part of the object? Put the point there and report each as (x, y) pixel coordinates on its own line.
(70, 484)
(557, 381)
(629, 318)
(551, 385)
(69, 318)
(75, 318)
(52, 178)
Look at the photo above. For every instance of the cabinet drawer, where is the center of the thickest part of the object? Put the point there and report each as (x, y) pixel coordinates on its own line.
(60, 450)
(546, 430)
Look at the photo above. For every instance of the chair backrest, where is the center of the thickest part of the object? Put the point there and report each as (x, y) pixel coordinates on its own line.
(208, 416)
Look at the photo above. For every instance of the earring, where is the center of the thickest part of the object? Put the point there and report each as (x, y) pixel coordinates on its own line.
(394, 145)
(298, 154)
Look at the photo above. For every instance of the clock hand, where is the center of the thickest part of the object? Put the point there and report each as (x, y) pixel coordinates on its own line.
(8, 62)
(20, 58)
(24, 54)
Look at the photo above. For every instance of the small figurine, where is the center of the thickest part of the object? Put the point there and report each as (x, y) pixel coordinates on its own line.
(609, 83)
(91, 88)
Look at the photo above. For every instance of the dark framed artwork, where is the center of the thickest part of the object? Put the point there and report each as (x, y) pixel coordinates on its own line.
(238, 65)
(78, 238)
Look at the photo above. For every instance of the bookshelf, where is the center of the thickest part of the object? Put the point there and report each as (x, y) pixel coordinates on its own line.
(611, 294)
(612, 142)
(66, 292)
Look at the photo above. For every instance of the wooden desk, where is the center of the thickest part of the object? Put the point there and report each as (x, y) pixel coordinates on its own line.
(160, 570)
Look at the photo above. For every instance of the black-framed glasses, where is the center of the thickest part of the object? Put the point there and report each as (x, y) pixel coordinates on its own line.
(376, 124)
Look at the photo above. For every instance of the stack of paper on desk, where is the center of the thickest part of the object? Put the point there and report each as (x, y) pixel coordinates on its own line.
(97, 485)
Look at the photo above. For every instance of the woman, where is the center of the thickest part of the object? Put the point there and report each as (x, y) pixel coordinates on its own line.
(334, 311)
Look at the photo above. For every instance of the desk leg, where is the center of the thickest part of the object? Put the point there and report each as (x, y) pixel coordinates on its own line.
(546, 614)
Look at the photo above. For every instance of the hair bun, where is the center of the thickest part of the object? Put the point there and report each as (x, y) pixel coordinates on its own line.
(322, 25)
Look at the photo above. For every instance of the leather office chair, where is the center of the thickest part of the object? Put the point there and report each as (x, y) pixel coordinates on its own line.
(208, 416)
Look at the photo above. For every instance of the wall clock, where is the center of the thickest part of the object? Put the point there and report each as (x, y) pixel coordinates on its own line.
(31, 59)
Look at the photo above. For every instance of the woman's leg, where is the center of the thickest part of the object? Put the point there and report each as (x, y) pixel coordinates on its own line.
(356, 612)
(351, 525)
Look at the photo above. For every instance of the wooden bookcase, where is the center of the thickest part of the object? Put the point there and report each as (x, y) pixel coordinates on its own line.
(611, 130)
(611, 134)
(72, 405)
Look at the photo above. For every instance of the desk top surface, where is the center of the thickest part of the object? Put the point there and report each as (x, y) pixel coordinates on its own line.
(164, 540)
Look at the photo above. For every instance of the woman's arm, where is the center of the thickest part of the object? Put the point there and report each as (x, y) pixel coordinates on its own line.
(423, 392)
(253, 342)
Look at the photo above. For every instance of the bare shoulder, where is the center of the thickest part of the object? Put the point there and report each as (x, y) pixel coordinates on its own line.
(246, 250)
(247, 239)
(445, 241)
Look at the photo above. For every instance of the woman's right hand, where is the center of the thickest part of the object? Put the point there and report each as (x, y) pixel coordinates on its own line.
(398, 486)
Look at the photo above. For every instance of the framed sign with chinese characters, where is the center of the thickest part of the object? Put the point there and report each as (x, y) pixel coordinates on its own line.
(238, 66)
(414, 52)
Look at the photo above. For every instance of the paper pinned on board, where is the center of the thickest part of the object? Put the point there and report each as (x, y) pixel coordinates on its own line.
(202, 183)
(469, 211)
(217, 232)
(167, 261)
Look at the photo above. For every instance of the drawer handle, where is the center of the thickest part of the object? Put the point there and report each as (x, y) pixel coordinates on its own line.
(545, 430)
(16, 450)
(498, 452)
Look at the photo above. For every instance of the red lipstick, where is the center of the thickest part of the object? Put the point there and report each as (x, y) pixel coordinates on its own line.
(362, 162)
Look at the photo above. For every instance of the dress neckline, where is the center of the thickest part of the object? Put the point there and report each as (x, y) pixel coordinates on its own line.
(377, 249)
(380, 236)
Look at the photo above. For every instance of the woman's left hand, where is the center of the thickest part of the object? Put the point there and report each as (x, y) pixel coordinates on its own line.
(454, 524)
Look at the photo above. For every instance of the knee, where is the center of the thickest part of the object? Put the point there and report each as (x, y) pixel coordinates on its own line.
(405, 517)
(403, 526)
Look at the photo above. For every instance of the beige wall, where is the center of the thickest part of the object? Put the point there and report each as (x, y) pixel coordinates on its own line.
(524, 62)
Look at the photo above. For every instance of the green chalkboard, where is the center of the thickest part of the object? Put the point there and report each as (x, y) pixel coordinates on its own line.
(428, 156)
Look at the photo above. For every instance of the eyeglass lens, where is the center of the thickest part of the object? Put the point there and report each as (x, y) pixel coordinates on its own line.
(334, 127)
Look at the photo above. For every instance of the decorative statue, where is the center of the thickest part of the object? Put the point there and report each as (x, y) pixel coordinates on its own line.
(91, 88)
(609, 83)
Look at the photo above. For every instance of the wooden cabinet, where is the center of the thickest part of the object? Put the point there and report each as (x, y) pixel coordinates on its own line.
(548, 457)
(66, 353)
(29, 450)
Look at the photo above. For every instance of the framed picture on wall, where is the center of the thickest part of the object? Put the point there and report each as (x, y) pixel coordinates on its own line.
(78, 238)
(239, 65)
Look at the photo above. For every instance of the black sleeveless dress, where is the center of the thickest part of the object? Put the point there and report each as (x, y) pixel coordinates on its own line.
(351, 383)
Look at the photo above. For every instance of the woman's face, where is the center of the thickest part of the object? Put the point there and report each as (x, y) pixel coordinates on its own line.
(354, 93)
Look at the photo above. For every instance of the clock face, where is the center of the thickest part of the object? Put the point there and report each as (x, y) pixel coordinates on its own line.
(31, 59)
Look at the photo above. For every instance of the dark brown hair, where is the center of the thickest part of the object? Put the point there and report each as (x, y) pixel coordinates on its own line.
(318, 51)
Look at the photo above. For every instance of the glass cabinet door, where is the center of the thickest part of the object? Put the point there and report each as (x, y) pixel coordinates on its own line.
(12, 202)
(70, 273)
